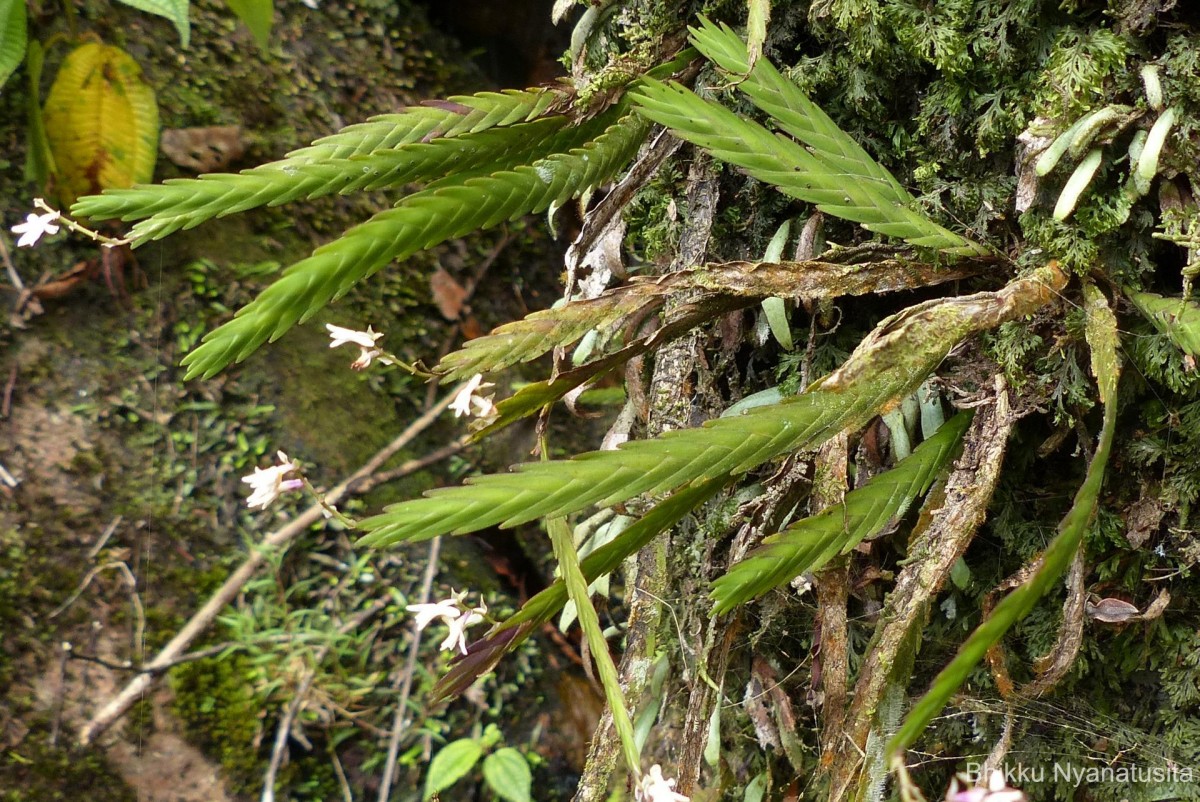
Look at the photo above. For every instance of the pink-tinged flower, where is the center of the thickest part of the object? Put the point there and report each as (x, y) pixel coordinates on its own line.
(470, 401)
(997, 790)
(267, 484)
(654, 787)
(34, 228)
(454, 614)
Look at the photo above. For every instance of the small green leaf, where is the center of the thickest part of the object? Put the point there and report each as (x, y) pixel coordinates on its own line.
(174, 10)
(451, 764)
(1174, 317)
(257, 15)
(12, 37)
(756, 789)
(507, 773)
(960, 574)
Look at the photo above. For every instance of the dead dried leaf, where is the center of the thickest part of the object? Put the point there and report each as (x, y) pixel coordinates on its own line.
(447, 293)
(206, 149)
(1112, 611)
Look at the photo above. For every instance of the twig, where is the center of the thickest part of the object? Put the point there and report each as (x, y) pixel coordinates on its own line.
(9, 386)
(13, 275)
(7, 478)
(138, 612)
(404, 679)
(201, 620)
(104, 536)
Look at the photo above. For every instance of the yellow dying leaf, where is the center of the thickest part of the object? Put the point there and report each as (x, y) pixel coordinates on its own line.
(102, 122)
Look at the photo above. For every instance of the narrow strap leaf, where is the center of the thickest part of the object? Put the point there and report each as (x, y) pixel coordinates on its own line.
(510, 633)
(454, 117)
(791, 168)
(420, 221)
(577, 590)
(1101, 331)
(541, 332)
(1174, 317)
(810, 543)
(890, 363)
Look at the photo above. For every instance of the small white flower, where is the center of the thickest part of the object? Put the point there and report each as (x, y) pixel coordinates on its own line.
(454, 614)
(34, 228)
(470, 401)
(268, 483)
(363, 339)
(653, 787)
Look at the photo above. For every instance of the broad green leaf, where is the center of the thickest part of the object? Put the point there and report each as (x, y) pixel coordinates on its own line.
(258, 16)
(889, 364)
(1174, 317)
(101, 120)
(451, 764)
(12, 37)
(506, 771)
(1102, 337)
(812, 542)
(174, 10)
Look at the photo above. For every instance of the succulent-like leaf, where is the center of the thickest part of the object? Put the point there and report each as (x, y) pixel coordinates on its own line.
(1174, 317)
(1101, 332)
(810, 543)
(831, 172)
(102, 122)
(411, 144)
(889, 364)
(540, 332)
(419, 221)
(12, 37)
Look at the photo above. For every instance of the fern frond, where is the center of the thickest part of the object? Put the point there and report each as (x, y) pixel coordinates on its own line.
(512, 632)
(1101, 330)
(792, 168)
(889, 364)
(184, 203)
(792, 111)
(454, 117)
(1174, 317)
(810, 543)
(541, 332)
(419, 221)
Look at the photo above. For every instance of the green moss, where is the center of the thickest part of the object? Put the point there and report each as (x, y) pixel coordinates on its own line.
(221, 714)
(35, 771)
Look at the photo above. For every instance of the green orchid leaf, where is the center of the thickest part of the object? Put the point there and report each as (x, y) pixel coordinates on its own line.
(812, 542)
